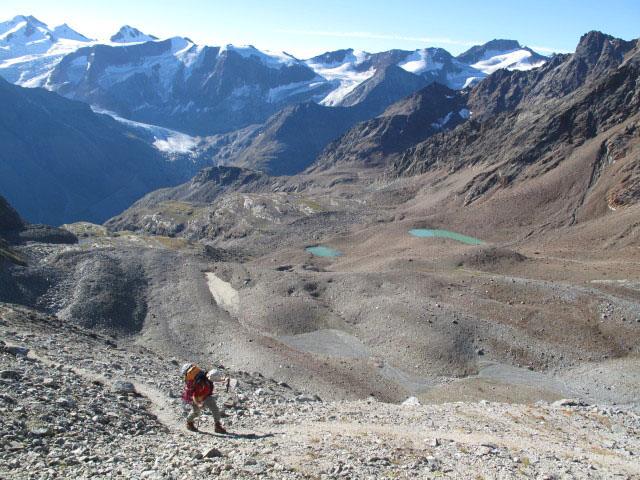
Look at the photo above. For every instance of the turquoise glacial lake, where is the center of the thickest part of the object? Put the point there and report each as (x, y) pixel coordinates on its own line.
(321, 251)
(419, 232)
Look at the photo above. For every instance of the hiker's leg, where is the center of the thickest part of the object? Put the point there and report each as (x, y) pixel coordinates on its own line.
(194, 414)
(210, 402)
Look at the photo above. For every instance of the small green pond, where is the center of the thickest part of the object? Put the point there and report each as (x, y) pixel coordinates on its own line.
(321, 251)
(419, 232)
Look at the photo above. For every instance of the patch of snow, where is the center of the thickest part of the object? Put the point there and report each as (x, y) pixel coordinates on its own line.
(442, 122)
(420, 61)
(465, 113)
(514, 60)
(472, 81)
(277, 94)
(343, 75)
(268, 58)
(164, 139)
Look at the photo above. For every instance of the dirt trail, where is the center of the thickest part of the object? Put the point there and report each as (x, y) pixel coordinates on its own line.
(524, 435)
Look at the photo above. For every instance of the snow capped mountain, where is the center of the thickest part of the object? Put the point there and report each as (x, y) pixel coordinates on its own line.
(21, 31)
(203, 90)
(498, 54)
(177, 84)
(29, 49)
(268, 58)
(342, 69)
(128, 34)
(27, 34)
(65, 32)
(346, 69)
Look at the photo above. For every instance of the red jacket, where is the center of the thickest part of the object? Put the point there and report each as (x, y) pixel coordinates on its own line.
(200, 390)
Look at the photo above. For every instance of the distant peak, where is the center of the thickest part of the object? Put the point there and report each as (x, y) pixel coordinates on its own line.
(503, 44)
(479, 52)
(29, 19)
(594, 44)
(337, 56)
(129, 34)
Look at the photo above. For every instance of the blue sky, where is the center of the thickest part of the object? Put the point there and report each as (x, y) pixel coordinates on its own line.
(373, 25)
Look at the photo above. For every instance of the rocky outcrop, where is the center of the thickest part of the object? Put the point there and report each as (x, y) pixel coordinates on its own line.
(16, 231)
(9, 218)
(209, 184)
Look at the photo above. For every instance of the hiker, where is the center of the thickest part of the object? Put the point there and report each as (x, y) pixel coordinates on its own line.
(199, 392)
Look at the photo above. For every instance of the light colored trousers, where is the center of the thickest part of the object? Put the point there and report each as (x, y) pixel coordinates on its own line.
(210, 403)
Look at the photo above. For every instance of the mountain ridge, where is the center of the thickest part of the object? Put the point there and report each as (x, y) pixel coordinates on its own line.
(204, 90)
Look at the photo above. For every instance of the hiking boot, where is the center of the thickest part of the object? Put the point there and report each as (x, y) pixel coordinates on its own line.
(219, 429)
(192, 427)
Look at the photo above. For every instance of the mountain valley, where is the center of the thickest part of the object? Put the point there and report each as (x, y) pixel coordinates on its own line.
(411, 351)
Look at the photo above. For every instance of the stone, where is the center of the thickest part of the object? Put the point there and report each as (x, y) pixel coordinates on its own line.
(7, 399)
(10, 374)
(568, 402)
(17, 351)
(65, 402)
(124, 387)
(40, 432)
(51, 383)
(197, 455)
(483, 451)
(15, 446)
(213, 453)
(305, 398)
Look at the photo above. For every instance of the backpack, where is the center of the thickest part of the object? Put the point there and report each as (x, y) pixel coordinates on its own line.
(196, 383)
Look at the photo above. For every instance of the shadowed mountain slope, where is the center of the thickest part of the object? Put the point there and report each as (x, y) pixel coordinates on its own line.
(429, 111)
(78, 165)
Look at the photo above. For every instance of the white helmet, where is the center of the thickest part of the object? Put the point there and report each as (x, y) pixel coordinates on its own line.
(185, 368)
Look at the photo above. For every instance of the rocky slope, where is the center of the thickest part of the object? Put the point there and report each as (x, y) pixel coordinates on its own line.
(596, 55)
(97, 412)
(407, 122)
(602, 114)
(292, 139)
